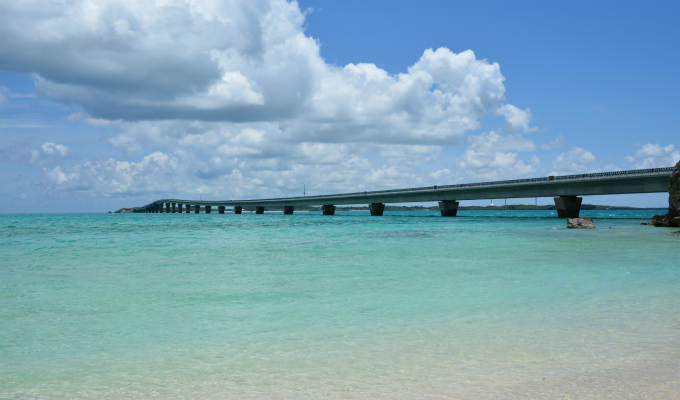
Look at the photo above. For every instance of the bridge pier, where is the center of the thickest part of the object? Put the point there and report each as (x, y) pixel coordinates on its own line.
(568, 206)
(188, 208)
(288, 210)
(207, 209)
(220, 209)
(197, 208)
(174, 208)
(167, 208)
(448, 208)
(259, 209)
(179, 207)
(376, 209)
(238, 209)
(328, 209)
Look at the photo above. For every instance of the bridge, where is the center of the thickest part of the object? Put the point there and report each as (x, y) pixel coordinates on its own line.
(565, 189)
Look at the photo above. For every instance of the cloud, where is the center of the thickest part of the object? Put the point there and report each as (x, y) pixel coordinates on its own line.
(54, 149)
(491, 155)
(653, 155)
(59, 177)
(517, 118)
(441, 173)
(48, 151)
(241, 61)
(576, 160)
(4, 96)
(233, 98)
(409, 154)
(554, 144)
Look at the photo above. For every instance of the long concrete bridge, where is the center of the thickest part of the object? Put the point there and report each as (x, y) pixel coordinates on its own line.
(565, 189)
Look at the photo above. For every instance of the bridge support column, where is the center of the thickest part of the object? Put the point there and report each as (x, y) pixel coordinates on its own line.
(179, 207)
(259, 209)
(188, 208)
(328, 209)
(376, 209)
(448, 208)
(288, 210)
(167, 208)
(207, 209)
(568, 206)
(197, 208)
(220, 209)
(174, 208)
(238, 209)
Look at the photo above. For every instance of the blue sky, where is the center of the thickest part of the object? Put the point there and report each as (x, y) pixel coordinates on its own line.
(113, 103)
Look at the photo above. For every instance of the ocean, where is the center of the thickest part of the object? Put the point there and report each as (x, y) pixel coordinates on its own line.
(411, 305)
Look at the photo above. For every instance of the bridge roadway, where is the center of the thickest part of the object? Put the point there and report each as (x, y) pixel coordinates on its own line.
(565, 189)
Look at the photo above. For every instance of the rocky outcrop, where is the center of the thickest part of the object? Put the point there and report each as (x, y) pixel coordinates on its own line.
(673, 216)
(580, 223)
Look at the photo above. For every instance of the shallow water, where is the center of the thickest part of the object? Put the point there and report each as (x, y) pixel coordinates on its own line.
(491, 304)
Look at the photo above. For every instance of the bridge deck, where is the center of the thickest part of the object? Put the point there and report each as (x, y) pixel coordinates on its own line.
(619, 182)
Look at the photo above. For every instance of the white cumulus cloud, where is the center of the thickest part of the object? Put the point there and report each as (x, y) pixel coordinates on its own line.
(54, 149)
(576, 160)
(232, 97)
(492, 155)
(652, 155)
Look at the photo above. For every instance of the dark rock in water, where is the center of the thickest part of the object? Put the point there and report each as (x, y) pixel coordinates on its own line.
(660, 220)
(580, 223)
(673, 216)
(646, 223)
(674, 194)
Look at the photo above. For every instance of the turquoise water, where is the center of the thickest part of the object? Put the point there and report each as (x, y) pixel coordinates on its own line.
(503, 304)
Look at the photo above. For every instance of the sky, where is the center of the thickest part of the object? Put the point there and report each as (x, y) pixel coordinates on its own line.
(107, 104)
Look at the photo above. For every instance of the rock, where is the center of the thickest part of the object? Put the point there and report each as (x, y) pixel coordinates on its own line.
(673, 216)
(646, 223)
(580, 223)
(674, 194)
(660, 220)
